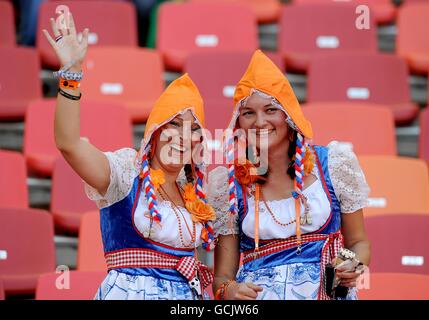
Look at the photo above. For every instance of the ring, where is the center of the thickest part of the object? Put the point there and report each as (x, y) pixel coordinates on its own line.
(58, 38)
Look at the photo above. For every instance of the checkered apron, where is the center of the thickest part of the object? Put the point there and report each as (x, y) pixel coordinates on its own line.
(331, 247)
(187, 266)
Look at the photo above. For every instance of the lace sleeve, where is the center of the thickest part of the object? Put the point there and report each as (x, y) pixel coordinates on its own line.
(124, 167)
(347, 177)
(217, 196)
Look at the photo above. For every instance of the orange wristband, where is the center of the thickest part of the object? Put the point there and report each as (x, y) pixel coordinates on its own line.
(69, 84)
(221, 292)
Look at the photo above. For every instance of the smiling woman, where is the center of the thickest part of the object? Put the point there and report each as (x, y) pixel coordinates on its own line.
(292, 220)
(154, 213)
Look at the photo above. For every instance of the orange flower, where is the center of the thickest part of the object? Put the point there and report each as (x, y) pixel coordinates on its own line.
(200, 211)
(189, 194)
(157, 177)
(245, 172)
(308, 162)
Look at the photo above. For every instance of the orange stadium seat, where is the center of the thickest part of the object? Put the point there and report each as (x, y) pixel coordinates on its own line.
(19, 81)
(110, 23)
(424, 135)
(90, 254)
(68, 199)
(75, 285)
(209, 27)
(13, 182)
(399, 242)
(131, 76)
(374, 78)
(106, 125)
(412, 41)
(396, 286)
(370, 128)
(266, 11)
(7, 24)
(384, 11)
(27, 248)
(217, 73)
(398, 184)
(310, 29)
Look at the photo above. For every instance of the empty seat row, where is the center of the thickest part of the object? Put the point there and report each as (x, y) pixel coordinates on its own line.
(134, 77)
(306, 28)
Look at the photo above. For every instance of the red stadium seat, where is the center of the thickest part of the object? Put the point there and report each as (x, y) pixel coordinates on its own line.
(13, 182)
(384, 11)
(27, 248)
(107, 126)
(73, 285)
(2, 295)
(370, 128)
(90, 254)
(374, 78)
(424, 135)
(398, 184)
(209, 27)
(7, 24)
(19, 81)
(110, 23)
(407, 251)
(396, 286)
(68, 199)
(217, 73)
(412, 41)
(266, 11)
(109, 78)
(312, 29)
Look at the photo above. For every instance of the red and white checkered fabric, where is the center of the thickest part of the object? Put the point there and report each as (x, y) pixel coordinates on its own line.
(188, 266)
(331, 247)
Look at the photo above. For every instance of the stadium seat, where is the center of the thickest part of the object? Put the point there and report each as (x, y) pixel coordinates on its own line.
(396, 286)
(7, 25)
(217, 73)
(131, 76)
(27, 248)
(2, 295)
(73, 285)
(370, 128)
(209, 27)
(399, 242)
(110, 23)
(19, 81)
(412, 41)
(308, 30)
(398, 184)
(424, 135)
(374, 78)
(106, 125)
(68, 199)
(266, 11)
(384, 11)
(90, 254)
(13, 182)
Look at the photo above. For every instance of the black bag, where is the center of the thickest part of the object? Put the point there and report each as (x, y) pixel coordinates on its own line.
(338, 291)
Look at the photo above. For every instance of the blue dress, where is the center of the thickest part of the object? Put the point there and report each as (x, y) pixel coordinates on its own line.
(286, 275)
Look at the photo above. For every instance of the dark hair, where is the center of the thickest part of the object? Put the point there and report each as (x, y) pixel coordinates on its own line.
(188, 173)
(291, 153)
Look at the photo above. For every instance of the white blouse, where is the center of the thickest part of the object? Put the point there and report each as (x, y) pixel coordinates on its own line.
(124, 168)
(349, 185)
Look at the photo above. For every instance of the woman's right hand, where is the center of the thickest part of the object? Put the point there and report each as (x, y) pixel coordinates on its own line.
(69, 50)
(242, 291)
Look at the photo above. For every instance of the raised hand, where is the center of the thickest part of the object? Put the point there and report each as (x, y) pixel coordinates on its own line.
(69, 50)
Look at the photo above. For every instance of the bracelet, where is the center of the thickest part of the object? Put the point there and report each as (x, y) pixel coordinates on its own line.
(69, 84)
(68, 75)
(221, 292)
(69, 96)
